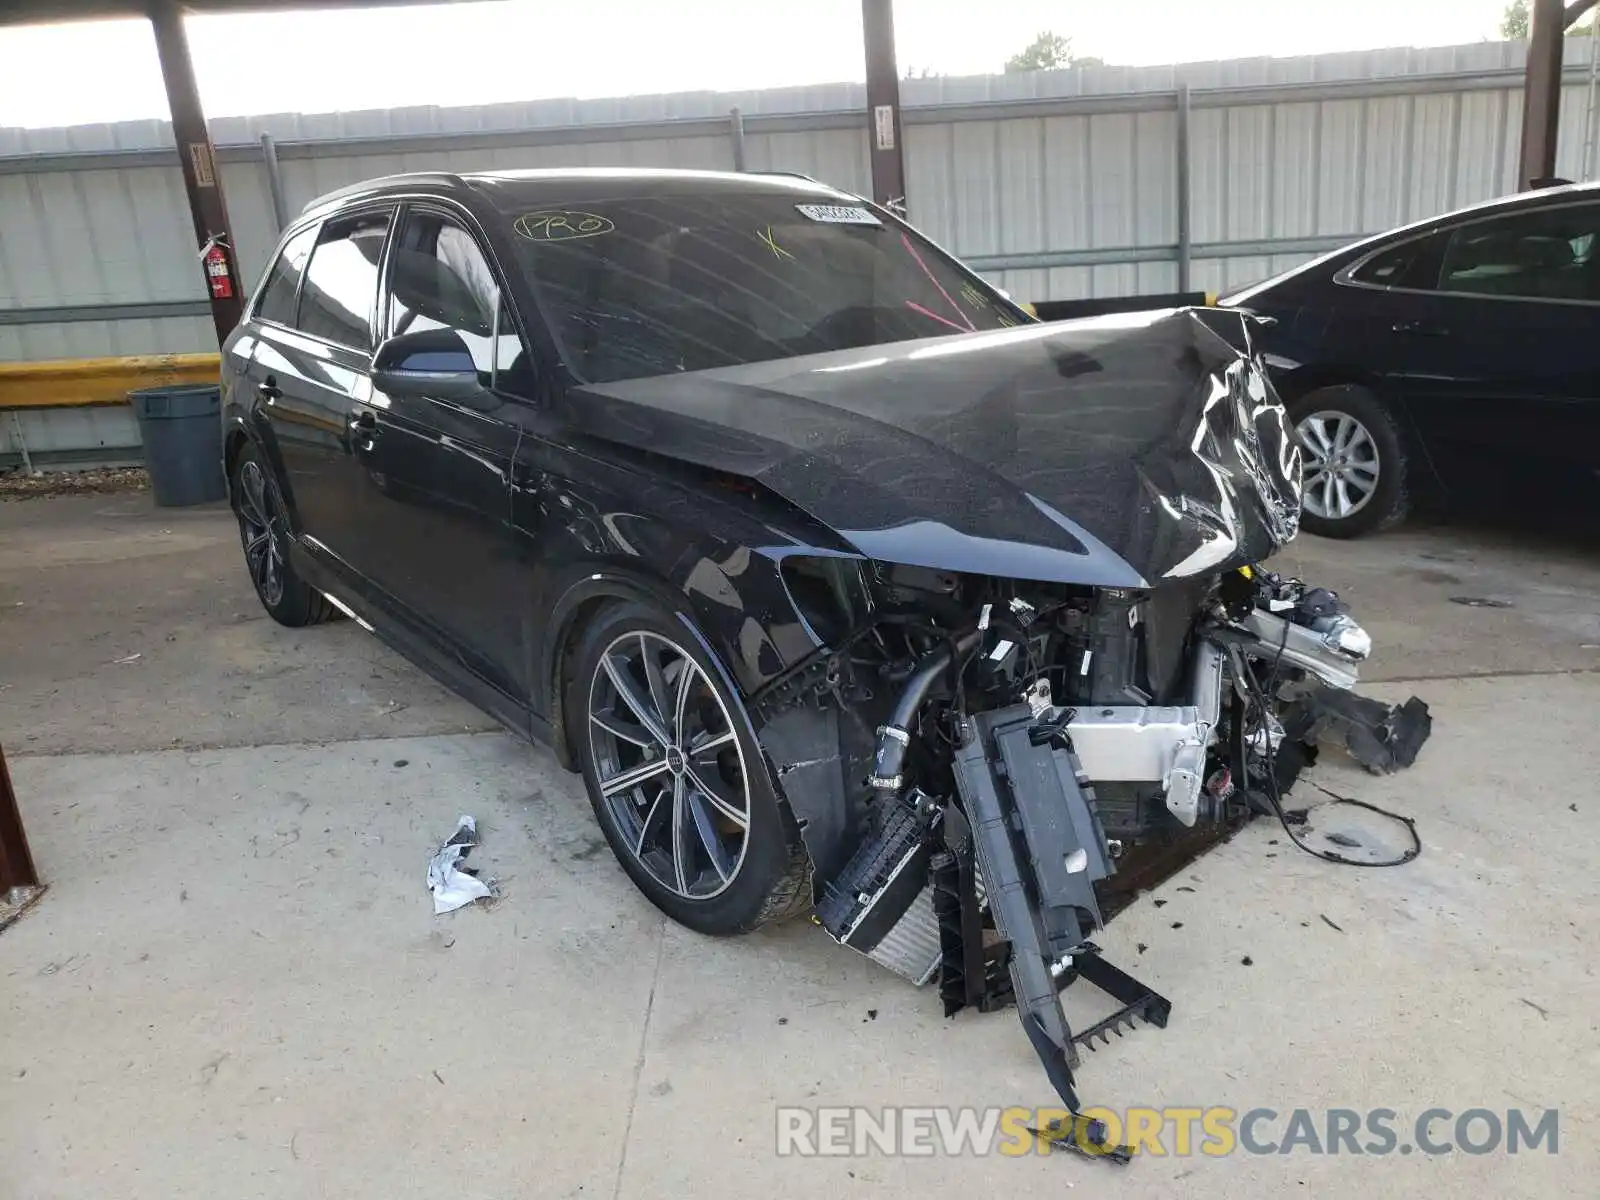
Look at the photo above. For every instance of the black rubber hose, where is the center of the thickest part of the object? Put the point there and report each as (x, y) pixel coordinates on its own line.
(889, 761)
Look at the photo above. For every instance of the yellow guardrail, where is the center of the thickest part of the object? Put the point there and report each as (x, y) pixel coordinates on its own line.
(76, 382)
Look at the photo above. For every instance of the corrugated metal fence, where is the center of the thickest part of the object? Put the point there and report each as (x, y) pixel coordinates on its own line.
(1058, 184)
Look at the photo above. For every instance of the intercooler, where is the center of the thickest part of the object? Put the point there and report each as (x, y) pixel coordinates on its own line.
(911, 947)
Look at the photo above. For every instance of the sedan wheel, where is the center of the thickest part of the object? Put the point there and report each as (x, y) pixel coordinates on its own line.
(1341, 466)
(669, 765)
(1354, 461)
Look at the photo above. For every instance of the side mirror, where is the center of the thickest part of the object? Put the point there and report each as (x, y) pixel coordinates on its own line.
(430, 362)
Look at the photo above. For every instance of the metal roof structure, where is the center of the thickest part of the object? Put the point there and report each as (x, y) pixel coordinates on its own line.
(202, 176)
(197, 157)
(1045, 203)
(50, 12)
(1057, 185)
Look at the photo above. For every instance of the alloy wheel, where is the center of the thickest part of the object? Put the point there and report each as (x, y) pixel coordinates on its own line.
(260, 528)
(1341, 464)
(669, 765)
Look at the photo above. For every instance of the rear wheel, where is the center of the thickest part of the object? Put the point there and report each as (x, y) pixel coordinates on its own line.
(1355, 463)
(677, 782)
(264, 533)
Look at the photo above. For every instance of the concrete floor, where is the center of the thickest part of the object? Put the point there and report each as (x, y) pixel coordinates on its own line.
(89, 581)
(235, 985)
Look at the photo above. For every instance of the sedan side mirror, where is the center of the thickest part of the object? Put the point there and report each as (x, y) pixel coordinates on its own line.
(430, 362)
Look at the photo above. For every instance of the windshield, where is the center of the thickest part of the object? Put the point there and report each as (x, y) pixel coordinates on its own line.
(648, 286)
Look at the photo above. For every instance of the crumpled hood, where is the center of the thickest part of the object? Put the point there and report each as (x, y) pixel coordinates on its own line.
(1116, 451)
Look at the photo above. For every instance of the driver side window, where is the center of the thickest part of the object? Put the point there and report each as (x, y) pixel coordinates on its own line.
(440, 278)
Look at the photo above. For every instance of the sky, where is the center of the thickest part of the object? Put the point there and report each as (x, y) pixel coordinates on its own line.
(483, 53)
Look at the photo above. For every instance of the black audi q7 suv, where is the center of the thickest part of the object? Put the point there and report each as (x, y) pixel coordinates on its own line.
(1458, 357)
(838, 577)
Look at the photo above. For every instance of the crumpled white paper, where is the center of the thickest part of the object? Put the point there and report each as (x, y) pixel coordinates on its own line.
(453, 888)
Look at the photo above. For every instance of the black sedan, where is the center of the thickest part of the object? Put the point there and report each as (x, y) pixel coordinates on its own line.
(1458, 357)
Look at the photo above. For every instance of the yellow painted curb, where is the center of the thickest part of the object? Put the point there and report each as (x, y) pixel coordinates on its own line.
(76, 382)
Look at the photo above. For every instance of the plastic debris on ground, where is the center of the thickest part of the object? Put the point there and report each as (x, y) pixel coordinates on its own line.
(1383, 738)
(452, 886)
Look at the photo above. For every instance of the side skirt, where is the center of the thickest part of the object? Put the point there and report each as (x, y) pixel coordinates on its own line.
(393, 630)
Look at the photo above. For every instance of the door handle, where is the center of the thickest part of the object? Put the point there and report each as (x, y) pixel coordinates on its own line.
(363, 430)
(269, 389)
(1420, 329)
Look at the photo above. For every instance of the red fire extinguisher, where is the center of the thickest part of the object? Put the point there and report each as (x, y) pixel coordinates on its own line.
(215, 258)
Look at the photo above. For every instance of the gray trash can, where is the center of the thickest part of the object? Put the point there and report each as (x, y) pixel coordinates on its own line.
(182, 433)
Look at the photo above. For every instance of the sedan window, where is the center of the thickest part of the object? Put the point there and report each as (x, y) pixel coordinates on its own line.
(1547, 254)
(641, 286)
(1385, 268)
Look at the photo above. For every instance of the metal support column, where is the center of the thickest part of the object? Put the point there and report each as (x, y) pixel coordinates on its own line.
(736, 137)
(269, 160)
(1591, 107)
(1185, 208)
(16, 863)
(198, 161)
(1541, 99)
(883, 104)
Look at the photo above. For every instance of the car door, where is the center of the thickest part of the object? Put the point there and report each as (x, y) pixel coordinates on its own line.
(1361, 319)
(1496, 356)
(310, 369)
(433, 472)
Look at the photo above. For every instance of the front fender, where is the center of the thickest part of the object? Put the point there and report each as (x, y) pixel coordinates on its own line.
(739, 639)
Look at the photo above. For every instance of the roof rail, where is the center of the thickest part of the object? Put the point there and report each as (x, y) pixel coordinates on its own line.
(791, 174)
(444, 178)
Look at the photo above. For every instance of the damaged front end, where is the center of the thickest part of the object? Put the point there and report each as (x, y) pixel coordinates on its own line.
(970, 757)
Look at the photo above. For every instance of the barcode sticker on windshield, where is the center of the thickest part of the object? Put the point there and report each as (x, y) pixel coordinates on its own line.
(838, 214)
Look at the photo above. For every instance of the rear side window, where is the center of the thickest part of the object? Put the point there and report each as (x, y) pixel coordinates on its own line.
(1412, 266)
(1384, 268)
(277, 298)
(1543, 255)
(341, 285)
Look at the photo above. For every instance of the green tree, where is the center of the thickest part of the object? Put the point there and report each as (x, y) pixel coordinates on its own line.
(1517, 20)
(1046, 52)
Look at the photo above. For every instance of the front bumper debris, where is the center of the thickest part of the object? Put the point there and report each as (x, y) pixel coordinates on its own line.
(1383, 738)
(1039, 846)
(983, 860)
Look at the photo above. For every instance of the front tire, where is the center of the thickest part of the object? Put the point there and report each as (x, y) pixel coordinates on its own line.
(678, 783)
(264, 533)
(1355, 462)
